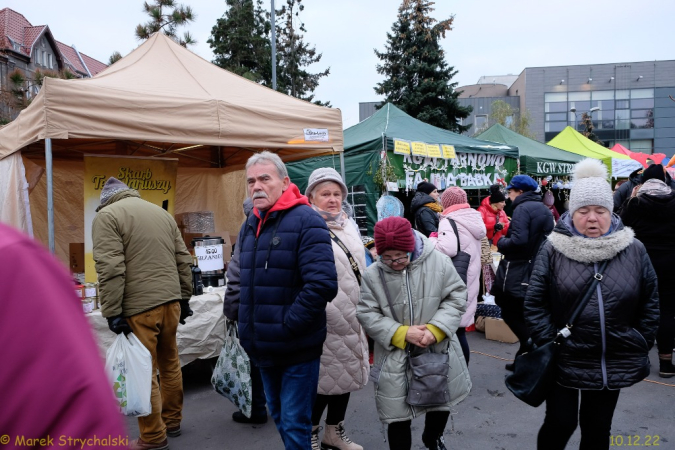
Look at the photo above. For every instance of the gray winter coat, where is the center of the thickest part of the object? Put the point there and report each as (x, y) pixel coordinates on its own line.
(610, 341)
(428, 291)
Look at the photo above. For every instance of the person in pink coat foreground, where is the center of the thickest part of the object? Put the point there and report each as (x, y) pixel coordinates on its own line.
(55, 393)
(471, 230)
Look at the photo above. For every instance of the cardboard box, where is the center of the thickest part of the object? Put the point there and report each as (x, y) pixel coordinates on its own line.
(187, 238)
(76, 258)
(498, 330)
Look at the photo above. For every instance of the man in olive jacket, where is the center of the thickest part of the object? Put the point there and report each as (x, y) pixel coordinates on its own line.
(145, 284)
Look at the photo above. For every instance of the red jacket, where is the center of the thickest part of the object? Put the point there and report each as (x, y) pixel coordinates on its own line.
(490, 220)
(52, 378)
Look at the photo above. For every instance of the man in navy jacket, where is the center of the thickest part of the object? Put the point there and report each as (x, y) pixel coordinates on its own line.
(287, 275)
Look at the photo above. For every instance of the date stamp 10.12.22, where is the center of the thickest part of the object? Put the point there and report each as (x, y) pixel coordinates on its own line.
(634, 440)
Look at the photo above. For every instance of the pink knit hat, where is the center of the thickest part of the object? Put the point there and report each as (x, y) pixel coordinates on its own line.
(453, 196)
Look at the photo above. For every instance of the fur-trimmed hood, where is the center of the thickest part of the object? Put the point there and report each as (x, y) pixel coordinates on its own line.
(590, 250)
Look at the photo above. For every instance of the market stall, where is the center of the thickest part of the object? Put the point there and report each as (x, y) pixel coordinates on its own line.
(536, 159)
(413, 151)
(618, 165)
(201, 337)
(161, 100)
(642, 158)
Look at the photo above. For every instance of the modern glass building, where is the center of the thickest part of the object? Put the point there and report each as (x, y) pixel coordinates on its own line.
(629, 103)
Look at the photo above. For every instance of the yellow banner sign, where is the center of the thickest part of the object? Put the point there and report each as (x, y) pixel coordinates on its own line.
(401, 147)
(153, 178)
(449, 151)
(419, 148)
(434, 151)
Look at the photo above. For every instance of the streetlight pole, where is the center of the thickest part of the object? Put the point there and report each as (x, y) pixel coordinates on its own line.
(590, 114)
(274, 48)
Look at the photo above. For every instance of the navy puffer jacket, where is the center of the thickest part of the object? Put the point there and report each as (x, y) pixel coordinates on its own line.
(610, 340)
(287, 275)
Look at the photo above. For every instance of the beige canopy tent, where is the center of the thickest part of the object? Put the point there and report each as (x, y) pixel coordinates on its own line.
(162, 100)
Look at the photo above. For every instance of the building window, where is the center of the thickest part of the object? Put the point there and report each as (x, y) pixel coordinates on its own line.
(51, 61)
(508, 121)
(481, 122)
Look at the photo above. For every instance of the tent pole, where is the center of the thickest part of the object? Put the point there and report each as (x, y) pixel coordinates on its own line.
(274, 47)
(342, 167)
(50, 194)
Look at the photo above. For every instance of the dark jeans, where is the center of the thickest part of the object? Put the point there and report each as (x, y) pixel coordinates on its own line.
(337, 408)
(400, 436)
(291, 391)
(563, 414)
(257, 393)
(513, 314)
(461, 335)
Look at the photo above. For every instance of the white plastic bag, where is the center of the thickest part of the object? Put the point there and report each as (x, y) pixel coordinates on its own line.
(489, 299)
(128, 365)
(232, 376)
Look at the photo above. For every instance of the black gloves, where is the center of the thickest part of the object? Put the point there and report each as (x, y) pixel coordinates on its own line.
(118, 324)
(498, 227)
(185, 311)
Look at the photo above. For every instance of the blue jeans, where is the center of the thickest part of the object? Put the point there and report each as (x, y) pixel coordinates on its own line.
(291, 391)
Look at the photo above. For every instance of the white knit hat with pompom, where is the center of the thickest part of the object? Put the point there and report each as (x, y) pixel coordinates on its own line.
(590, 186)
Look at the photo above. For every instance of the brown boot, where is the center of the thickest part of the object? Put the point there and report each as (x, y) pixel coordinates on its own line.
(140, 444)
(335, 438)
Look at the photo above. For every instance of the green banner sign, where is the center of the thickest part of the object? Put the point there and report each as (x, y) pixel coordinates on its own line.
(466, 170)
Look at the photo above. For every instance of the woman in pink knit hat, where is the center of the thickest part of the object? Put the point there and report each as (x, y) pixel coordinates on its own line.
(471, 229)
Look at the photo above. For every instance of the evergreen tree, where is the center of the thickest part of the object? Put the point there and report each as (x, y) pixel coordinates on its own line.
(166, 16)
(294, 55)
(241, 41)
(418, 80)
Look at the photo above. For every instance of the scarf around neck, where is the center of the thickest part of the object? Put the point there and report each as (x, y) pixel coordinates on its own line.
(655, 187)
(434, 207)
(337, 218)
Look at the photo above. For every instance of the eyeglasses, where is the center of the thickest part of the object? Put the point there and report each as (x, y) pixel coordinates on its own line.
(389, 262)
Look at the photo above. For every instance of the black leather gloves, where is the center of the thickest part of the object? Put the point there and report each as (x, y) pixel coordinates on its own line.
(498, 227)
(118, 324)
(185, 311)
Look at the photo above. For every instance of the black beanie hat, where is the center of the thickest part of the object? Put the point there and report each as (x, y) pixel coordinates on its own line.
(496, 194)
(426, 187)
(654, 171)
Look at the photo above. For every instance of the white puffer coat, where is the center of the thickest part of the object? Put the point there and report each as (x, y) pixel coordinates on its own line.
(344, 362)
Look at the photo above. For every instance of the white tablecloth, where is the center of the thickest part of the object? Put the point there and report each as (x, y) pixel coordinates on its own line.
(201, 337)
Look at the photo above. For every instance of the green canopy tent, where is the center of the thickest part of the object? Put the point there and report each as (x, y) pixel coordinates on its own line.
(536, 159)
(618, 165)
(415, 150)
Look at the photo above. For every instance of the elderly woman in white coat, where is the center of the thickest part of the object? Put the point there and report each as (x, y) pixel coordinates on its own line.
(471, 229)
(411, 298)
(344, 362)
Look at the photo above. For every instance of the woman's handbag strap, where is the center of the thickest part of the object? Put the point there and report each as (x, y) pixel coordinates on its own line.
(350, 257)
(454, 228)
(386, 294)
(584, 300)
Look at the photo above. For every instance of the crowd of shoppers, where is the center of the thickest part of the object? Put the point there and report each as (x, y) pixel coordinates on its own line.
(307, 292)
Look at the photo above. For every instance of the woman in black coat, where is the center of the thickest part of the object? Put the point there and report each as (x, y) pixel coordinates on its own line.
(651, 213)
(609, 346)
(425, 208)
(532, 221)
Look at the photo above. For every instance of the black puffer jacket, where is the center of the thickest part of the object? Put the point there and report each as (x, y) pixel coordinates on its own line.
(532, 221)
(623, 193)
(652, 217)
(426, 219)
(610, 341)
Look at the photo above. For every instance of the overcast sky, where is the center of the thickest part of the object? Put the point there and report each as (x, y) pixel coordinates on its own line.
(490, 37)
